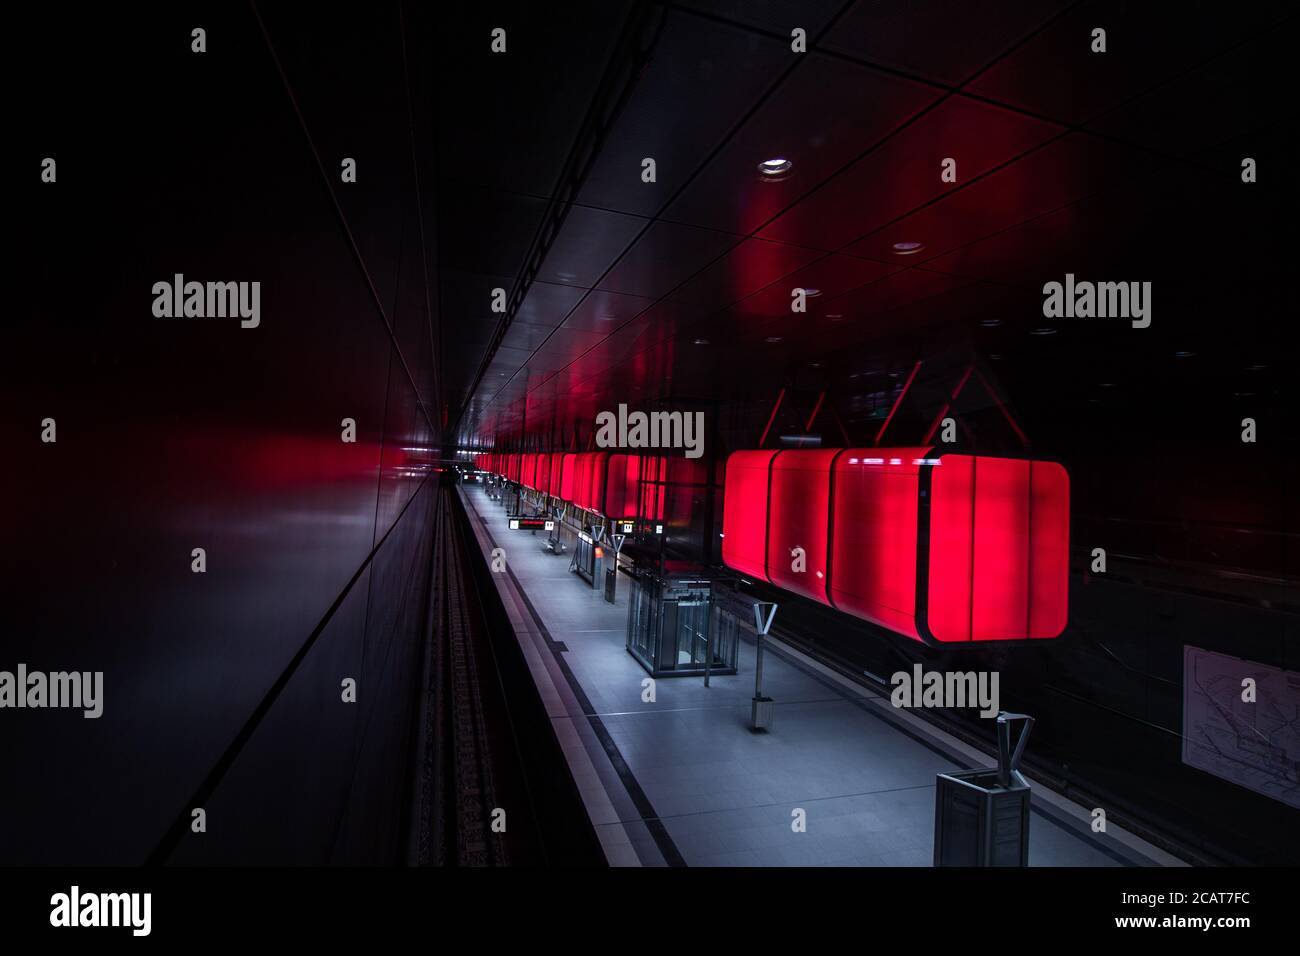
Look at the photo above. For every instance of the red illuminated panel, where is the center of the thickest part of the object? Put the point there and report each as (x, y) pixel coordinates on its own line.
(999, 543)
(620, 484)
(630, 503)
(744, 512)
(568, 474)
(596, 482)
(951, 548)
(798, 509)
(1049, 542)
(650, 504)
(629, 492)
(589, 480)
(1001, 560)
(873, 535)
(542, 473)
(582, 479)
(955, 549)
(555, 474)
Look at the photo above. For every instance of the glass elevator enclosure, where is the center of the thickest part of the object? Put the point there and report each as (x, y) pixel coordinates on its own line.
(674, 630)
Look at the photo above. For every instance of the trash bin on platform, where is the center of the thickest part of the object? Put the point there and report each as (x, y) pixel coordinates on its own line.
(981, 817)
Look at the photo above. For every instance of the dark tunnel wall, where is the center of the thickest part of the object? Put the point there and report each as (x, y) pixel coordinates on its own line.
(180, 433)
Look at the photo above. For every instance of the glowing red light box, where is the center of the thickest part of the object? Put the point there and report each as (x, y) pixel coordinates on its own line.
(568, 473)
(942, 548)
(556, 475)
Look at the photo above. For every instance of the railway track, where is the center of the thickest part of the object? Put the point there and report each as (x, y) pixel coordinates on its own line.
(460, 792)
(485, 750)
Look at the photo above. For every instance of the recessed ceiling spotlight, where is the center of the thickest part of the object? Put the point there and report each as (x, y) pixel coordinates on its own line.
(1105, 384)
(990, 323)
(995, 356)
(1183, 354)
(701, 341)
(775, 169)
(907, 248)
(1256, 368)
(773, 338)
(815, 364)
(1045, 330)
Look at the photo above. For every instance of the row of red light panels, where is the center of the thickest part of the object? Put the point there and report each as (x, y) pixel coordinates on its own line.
(612, 484)
(943, 549)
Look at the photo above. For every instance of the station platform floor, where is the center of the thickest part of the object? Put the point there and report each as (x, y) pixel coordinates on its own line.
(685, 781)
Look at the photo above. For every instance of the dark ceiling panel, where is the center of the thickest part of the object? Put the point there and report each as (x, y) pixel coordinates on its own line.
(946, 41)
(867, 303)
(1070, 239)
(605, 311)
(830, 276)
(590, 240)
(547, 304)
(1046, 179)
(570, 342)
(506, 358)
(703, 76)
(525, 153)
(905, 171)
(745, 269)
(662, 258)
(776, 16)
(521, 335)
(824, 115)
(1057, 75)
(1214, 105)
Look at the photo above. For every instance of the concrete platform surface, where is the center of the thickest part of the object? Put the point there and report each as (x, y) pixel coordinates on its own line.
(685, 781)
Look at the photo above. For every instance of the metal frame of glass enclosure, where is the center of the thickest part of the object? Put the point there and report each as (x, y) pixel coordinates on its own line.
(673, 628)
(584, 557)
